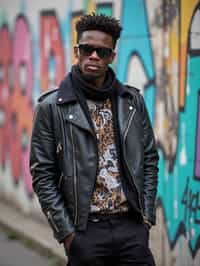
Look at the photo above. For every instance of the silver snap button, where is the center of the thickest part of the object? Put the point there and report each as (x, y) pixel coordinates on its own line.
(70, 116)
(60, 99)
(130, 107)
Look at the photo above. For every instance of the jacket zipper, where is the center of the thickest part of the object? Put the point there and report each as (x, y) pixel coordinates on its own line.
(129, 123)
(50, 218)
(124, 136)
(75, 177)
(60, 180)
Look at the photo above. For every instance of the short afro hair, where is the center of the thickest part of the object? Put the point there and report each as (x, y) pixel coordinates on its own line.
(99, 22)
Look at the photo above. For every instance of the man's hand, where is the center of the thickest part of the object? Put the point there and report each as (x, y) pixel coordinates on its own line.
(68, 240)
(147, 223)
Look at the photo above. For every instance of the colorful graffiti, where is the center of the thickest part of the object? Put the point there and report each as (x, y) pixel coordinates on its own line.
(16, 97)
(159, 53)
(176, 120)
(177, 165)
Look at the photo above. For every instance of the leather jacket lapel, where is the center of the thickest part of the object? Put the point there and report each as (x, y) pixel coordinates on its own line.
(76, 116)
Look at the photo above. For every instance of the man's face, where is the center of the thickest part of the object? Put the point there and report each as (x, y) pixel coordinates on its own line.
(94, 63)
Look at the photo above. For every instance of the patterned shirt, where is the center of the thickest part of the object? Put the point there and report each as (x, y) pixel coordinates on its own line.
(108, 195)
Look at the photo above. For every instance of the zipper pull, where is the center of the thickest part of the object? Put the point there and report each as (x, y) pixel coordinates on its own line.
(59, 148)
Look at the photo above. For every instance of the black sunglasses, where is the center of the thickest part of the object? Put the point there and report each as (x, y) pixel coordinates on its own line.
(87, 50)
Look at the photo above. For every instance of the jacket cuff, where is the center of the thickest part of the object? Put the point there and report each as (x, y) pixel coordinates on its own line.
(147, 222)
(61, 227)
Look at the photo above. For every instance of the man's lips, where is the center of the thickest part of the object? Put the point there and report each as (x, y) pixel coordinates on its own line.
(92, 67)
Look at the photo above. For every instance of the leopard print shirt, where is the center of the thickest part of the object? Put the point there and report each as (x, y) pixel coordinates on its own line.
(108, 195)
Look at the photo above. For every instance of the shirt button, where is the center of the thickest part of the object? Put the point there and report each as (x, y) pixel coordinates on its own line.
(60, 99)
(70, 116)
(130, 107)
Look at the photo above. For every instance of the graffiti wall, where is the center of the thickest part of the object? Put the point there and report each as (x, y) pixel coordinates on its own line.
(159, 52)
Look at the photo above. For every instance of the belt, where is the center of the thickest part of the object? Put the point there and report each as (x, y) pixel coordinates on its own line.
(97, 217)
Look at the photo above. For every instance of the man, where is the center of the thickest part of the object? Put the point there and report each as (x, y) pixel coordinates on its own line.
(94, 158)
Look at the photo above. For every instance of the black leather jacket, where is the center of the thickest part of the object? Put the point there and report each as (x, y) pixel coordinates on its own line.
(64, 158)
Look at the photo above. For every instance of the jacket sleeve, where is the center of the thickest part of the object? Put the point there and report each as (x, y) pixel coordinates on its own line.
(150, 166)
(43, 168)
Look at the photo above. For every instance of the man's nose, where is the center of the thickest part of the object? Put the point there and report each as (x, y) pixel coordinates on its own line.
(94, 55)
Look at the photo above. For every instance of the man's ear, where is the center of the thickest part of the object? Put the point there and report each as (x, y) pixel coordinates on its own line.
(112, 57)
(76, 52)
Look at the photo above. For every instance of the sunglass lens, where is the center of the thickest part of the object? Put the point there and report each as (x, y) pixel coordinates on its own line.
(104, 52)
(87, 50)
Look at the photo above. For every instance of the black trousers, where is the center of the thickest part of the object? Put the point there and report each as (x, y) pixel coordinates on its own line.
(113, 241)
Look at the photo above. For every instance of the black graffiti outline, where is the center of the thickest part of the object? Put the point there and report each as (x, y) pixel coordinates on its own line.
(191, 201)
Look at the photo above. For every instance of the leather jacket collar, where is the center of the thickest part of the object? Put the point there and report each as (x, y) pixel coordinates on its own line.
(66, 93)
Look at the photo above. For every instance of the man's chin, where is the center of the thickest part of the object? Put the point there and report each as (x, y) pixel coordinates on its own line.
(91, 76)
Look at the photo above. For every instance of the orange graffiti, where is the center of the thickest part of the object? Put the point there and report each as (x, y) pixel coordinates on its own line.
(75, 18)
(187, 10)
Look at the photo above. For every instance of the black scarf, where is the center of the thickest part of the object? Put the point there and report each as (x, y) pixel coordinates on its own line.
(82, 86)
(84, 90)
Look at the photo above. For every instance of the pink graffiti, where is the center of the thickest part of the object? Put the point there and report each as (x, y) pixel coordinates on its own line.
(16, 103)
(51, 46)
(16, 85)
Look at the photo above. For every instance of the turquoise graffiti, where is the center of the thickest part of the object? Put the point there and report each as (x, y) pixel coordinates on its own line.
(135, 45)
(179, 186)
(179, 190)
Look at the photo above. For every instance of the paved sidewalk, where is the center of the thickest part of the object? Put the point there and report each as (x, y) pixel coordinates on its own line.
(38, 234)
(15, 253)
